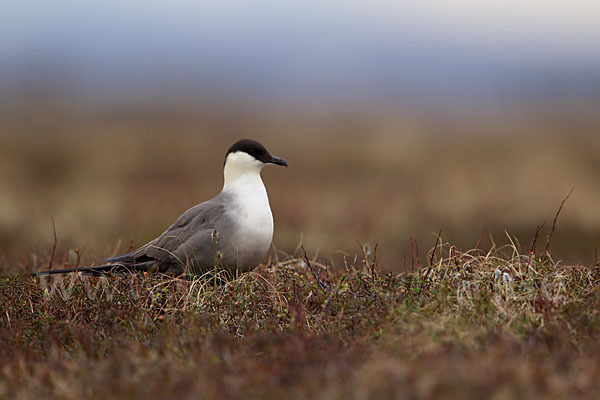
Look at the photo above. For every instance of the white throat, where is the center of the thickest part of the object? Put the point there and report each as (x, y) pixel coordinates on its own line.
(242, 172)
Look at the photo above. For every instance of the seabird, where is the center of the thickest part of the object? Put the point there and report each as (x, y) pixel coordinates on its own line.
(232, 231)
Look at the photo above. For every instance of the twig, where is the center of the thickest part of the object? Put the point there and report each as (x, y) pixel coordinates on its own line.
(437, 240)
(312, 269)
(549, 237)
(454, 257)
(362, 250)
(54, 245)
(480, 238)
(370, 267)
(532, 249)
(374, 261)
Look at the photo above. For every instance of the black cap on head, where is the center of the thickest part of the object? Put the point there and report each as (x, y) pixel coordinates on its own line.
(256, 150)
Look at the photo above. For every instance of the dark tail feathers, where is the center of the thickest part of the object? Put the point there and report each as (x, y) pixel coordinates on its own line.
(95, 271)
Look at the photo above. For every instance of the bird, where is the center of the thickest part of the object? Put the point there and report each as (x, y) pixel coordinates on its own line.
(232, 231)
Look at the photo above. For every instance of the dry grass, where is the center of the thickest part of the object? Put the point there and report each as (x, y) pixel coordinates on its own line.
(472, 325)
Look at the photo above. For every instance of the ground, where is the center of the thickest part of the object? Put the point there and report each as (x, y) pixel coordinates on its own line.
(469, 325)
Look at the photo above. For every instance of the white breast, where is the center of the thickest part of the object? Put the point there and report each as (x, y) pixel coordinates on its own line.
(253, 212)
(253, 220)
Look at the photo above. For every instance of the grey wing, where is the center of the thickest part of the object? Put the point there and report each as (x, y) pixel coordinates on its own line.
(190, 236)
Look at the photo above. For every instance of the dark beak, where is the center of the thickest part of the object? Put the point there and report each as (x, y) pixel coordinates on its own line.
(278, 161)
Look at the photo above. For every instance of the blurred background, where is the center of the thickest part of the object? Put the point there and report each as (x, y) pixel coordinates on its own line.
(397, 119)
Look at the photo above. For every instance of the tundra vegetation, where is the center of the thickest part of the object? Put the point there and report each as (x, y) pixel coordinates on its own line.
(475, 324)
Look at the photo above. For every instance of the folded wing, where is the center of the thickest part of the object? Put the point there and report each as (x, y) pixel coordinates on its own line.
(189, 241)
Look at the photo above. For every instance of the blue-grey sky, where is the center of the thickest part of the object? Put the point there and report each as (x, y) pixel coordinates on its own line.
(312, 50)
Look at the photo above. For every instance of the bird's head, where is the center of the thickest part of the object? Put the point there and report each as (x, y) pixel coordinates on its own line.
(247, 156)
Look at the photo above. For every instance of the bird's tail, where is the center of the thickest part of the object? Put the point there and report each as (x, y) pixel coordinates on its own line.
(95, 271)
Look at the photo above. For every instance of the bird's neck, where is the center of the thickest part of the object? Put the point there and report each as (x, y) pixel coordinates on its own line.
(242, 179)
